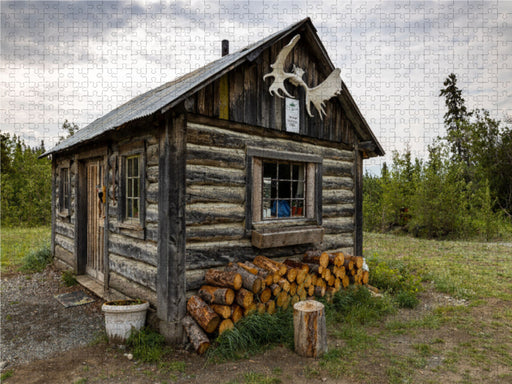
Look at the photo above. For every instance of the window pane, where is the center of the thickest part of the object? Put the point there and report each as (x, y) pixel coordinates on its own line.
(284, 171)
(270, 170)
(135, 166)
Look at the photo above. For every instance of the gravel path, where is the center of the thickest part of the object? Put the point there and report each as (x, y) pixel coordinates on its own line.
(34, 325)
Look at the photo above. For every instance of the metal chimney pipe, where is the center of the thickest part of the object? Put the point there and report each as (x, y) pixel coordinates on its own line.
(225, 47)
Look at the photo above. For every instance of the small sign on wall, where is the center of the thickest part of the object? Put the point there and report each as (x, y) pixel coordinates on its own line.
(292, 115)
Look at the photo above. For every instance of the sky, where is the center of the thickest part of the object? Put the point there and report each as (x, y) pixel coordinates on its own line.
(77, 61)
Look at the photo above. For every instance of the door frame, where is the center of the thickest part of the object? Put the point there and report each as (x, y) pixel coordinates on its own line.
(81, 219)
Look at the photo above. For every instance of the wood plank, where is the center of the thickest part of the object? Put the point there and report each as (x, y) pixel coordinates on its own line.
(306, 235)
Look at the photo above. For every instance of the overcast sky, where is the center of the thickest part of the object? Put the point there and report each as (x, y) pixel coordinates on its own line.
(79, 60)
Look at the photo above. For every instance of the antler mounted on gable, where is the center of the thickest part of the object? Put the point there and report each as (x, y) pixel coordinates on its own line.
(317, 95)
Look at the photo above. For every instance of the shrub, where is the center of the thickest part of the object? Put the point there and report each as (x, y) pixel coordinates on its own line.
(37, 260)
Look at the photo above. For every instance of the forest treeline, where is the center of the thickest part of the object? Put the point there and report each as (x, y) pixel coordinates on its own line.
(26, 183)
(462, 190)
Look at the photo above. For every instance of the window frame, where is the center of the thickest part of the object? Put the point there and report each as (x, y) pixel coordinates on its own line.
(64, 189)
(254, 189)
(123, 220)
(132, 180)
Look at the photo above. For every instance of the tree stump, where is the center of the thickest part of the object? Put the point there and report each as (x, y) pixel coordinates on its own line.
(310, 332)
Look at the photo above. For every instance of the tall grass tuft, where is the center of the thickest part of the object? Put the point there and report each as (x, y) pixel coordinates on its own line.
(252, 334)
(147, 345)
(37, 260)
(356, 305)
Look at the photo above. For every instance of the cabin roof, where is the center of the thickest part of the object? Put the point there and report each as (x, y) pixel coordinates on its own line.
(174, 92)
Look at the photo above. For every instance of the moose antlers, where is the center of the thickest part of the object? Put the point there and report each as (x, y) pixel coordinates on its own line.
(324, 91)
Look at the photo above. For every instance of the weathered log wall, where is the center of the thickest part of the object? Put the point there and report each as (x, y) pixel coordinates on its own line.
(132, 247)
(216, 183)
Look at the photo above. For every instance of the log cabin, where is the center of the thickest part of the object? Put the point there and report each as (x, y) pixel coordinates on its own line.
(258, 152)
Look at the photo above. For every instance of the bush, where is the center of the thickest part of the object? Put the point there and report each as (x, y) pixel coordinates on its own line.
(147, 345)
(37, 260)
(396, 279)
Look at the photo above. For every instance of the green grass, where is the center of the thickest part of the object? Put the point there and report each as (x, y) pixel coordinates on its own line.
(17, 243)
(462, 269)
(6, 374)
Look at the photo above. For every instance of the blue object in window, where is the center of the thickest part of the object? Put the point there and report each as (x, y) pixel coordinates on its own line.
(282, 208)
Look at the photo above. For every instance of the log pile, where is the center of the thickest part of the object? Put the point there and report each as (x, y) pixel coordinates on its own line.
(265, 285)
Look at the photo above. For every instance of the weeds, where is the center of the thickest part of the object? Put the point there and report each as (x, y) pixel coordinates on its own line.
(6, 374)
(68, 279)
(253, 333)
(37, 260)
(147, 345)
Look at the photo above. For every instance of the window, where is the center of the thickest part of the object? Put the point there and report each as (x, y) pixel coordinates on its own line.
(64, 190)
(283, 189)
(284, 198)
(132, 198)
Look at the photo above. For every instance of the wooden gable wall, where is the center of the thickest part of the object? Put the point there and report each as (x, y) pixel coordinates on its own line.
(249, 101)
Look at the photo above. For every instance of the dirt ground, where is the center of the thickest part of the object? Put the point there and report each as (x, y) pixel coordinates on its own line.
(103, 363)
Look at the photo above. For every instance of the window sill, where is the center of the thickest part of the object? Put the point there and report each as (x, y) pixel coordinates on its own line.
(282, 237)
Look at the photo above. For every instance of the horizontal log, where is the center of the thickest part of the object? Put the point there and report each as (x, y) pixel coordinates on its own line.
(152, 193)
(336, 182)
(65, 255)
(228, 279)
(139, 272)
(216, 295)
(65, 229)
(237, 313)
(215, 194)
(207, 175)
(244, 298)
(152, 213)
(65, 242)
(215, 254)
(225, 325)
(338, 225)
(215, 156)
(337, 210)
(206, 135)
(216, 232)
(270, 265)
(152, 174)
(219, 213)
(131, 288)
(357, 260)
(135, 249)
(316, 257)
(223, 311)
(337, 196)
(250, 281)
(337, 168)
(342, 242)
(194, 278)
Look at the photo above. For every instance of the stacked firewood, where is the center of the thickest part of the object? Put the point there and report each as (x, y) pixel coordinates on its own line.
(264, 285)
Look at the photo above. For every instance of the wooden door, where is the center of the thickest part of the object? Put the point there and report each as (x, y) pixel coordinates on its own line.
(95, 220)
